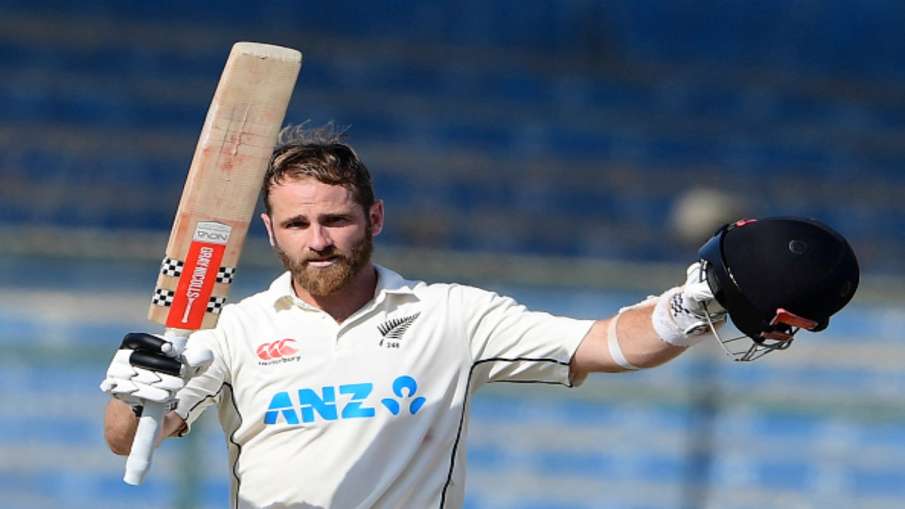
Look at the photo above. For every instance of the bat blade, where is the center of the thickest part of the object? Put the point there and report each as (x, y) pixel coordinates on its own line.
(222, 186)
(217, 203)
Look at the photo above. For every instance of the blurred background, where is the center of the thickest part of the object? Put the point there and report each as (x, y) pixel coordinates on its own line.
(571, 153)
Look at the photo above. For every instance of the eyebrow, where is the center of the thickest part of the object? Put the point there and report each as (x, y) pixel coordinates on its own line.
(293, 219)
(301, 218)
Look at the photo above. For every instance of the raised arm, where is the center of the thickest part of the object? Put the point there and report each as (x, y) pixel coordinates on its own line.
(649, 333)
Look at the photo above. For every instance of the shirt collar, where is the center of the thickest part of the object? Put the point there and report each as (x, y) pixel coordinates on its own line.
(388, 283)
(391, 282)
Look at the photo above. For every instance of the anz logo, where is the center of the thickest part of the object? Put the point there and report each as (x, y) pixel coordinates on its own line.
(351, 403)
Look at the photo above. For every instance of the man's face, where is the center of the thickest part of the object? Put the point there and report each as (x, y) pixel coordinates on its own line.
(320, 233)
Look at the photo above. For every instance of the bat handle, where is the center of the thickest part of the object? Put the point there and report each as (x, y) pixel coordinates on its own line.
(145, 440)
(139, 461)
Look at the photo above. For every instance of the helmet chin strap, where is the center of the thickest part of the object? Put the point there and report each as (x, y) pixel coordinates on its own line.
(784, 317)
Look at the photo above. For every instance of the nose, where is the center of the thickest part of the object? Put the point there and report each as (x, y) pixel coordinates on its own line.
(320, 239)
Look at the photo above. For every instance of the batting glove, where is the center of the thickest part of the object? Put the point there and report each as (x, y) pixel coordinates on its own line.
(681, 314)
(145, 368)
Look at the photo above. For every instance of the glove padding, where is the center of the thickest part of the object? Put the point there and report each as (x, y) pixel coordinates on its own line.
(146, 368)
(680, 316)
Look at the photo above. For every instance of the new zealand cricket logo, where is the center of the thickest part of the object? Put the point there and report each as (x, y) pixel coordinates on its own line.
(392, 330)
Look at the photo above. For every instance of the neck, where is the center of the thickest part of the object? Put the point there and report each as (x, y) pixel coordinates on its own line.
(342, 303)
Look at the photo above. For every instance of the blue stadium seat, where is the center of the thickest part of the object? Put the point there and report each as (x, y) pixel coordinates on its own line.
(674, 112)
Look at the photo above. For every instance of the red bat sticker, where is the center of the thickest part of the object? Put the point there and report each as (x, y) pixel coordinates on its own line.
(198, 275)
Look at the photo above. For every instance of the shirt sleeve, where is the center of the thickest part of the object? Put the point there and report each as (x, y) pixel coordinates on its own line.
(509, 343)
(204, 390)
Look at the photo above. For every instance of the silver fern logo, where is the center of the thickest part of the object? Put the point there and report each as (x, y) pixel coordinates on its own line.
(392, 330)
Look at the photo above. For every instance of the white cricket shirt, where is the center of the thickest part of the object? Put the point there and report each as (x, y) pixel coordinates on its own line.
(372, 412)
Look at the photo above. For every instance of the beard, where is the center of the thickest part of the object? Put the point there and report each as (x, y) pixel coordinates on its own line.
(323, 281)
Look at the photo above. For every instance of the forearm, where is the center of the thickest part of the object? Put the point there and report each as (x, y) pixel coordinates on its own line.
(653, 331)
(120, 424)
(637, 340)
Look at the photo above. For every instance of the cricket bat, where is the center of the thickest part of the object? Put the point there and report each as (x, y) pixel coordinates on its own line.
(217, 203)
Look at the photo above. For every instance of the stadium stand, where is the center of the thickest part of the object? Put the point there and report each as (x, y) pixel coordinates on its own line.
(557, 93)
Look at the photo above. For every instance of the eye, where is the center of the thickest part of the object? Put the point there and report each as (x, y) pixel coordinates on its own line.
(336, 220)
(295, 223)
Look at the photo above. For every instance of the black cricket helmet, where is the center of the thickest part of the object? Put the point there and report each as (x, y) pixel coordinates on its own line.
(776, 276)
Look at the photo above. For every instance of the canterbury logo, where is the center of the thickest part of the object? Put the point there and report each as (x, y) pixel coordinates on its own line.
(277, 350)
(395, 328)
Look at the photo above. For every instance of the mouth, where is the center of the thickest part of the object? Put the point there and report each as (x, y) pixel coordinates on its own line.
(322, 262)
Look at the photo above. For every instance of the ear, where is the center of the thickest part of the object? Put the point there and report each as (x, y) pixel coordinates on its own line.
(376, 217)
(269, 226)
